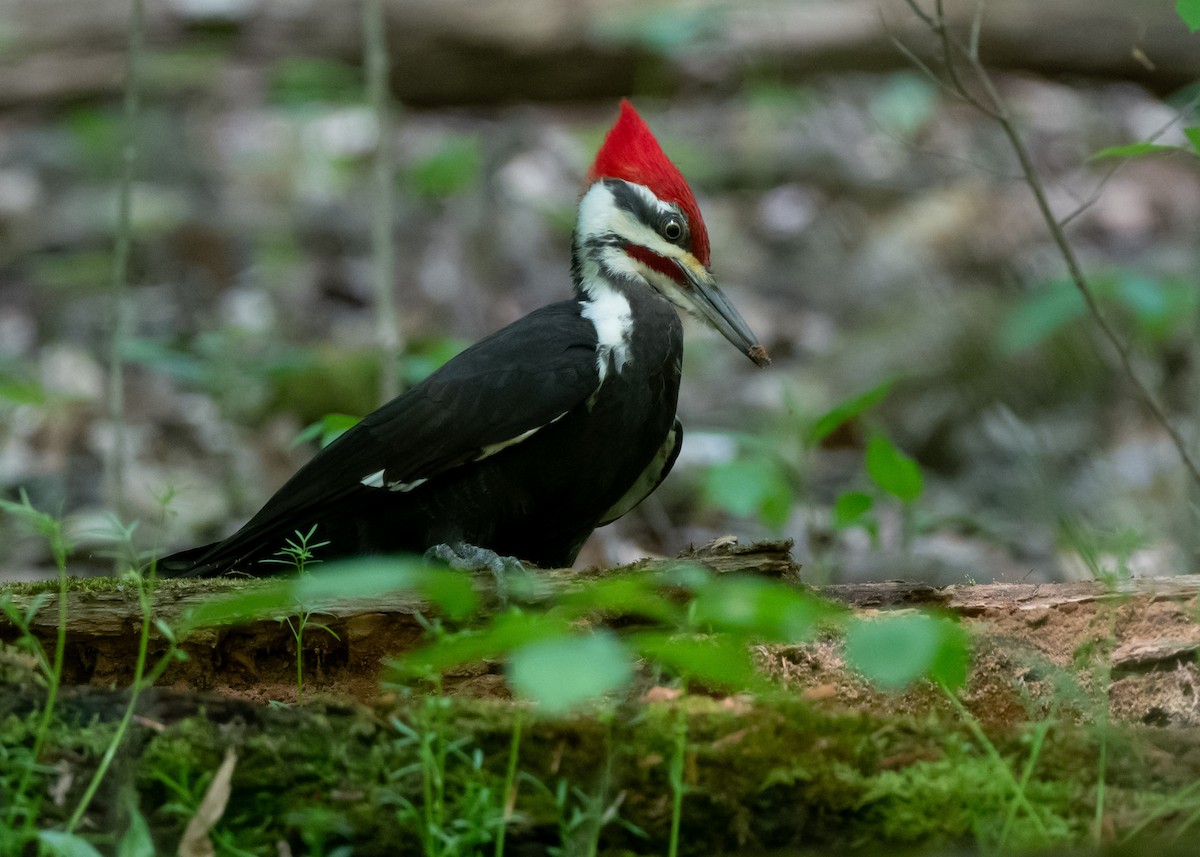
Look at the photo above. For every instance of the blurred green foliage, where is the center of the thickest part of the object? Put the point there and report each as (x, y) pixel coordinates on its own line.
(455, 167)
(18, 387)
(894, 651)
(905, 103)
(892, 470)
(754, 485)
(1189, 11)
(296, 81)
(1158, 308)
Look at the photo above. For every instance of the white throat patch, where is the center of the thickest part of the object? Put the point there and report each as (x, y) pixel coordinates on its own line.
(609, 311)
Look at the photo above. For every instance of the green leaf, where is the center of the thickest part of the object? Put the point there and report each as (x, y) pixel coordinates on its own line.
(1189, 12)
(21, 392)
(337, 582)
(563, 672)
(628, 595)
(850, 507)
(136, 841)
(258, 600)
(162, 358)
(1193, 135)
(760, 609)
(1132, 150)
(905, 103)
(46, 526)
(722, 660)
(833, 419)
(750, 486)
(506, 632)
(894, 651)
(327, 429)
(297, 81)
(453, 168)
(370, 577)
(66, 844)
(892, 470)
(1040, 316)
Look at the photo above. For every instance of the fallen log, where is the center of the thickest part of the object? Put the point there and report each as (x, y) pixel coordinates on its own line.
(1141, 634)
(457, 52)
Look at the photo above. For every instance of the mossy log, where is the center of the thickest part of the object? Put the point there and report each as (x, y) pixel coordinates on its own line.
(1063, 675)
(1142, 634)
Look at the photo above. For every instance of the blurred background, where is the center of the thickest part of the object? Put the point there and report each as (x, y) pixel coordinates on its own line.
(872, 229)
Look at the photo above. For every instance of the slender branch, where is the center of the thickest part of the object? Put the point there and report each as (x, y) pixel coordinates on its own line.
(114, 463)
(376, 50)
(953, 52)
(1090, 200)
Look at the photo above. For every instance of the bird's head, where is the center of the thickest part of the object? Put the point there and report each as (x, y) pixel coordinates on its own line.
(638, 219)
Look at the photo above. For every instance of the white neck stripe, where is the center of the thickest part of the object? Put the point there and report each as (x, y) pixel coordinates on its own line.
(608, 310)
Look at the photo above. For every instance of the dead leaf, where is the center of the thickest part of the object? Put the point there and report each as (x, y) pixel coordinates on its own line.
(62, 786)
(195, 841)
(149, 724)
(661, 694)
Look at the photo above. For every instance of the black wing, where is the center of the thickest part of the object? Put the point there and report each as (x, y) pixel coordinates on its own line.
(654, 474)
(497, 392)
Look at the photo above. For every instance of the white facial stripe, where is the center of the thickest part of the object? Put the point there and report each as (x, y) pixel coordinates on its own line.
(600, 215)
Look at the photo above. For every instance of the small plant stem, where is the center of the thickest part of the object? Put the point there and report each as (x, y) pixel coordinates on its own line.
(1035, 752)
(298, 632)
(994, 755)
(678, 761)
(53, 680)
(135, 690)
(376, 48)
(114, 463)
(510, 782)
(1098, 820)
(427, 788)
(952, 50)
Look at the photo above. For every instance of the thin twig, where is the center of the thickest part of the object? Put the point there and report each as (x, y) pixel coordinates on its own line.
(1150, 138)
(952, 51)
(114, 463)
(376, 49)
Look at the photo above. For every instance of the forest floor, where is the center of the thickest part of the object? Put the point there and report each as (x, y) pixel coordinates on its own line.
(1077, 726)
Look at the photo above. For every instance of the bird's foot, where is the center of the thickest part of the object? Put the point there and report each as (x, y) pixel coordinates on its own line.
(466, 557)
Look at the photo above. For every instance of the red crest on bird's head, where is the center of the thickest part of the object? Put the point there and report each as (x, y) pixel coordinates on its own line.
(631, 153)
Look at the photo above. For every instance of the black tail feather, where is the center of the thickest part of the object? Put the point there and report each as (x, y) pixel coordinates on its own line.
(190, 563)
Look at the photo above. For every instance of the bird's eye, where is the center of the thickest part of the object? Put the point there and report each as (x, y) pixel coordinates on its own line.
(672, 230)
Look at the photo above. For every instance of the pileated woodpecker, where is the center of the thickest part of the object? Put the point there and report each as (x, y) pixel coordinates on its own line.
(559, 423)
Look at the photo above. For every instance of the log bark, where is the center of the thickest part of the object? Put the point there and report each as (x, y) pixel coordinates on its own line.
(456, 52)
(1142, 634)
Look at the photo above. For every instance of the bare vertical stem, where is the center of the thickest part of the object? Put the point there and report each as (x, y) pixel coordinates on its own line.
(114, 465)
(376, 50)
(954, 53)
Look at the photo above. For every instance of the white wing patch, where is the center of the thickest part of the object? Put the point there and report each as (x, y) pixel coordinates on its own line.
(375, 480)
(493, 448)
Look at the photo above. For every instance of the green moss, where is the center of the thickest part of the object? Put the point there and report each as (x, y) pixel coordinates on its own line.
(769, 775)
(94, 585)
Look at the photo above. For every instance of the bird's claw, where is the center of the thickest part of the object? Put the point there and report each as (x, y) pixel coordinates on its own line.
(466, 557)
